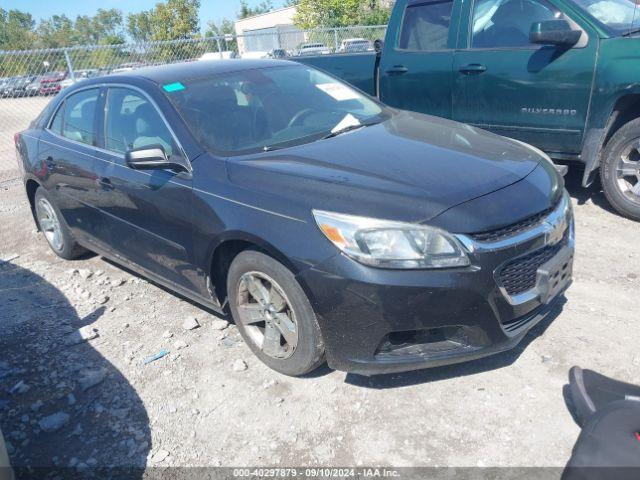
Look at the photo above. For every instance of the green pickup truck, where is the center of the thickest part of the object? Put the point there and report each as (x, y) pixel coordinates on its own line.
(562, 75)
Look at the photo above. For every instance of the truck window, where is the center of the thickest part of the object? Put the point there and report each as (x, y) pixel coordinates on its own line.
(426, 26)
(507, 23)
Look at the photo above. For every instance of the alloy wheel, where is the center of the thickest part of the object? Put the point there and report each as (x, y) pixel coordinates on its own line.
(628, 171)
(267, 315)
(50, 224)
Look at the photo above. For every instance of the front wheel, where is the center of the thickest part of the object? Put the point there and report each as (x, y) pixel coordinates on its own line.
(620, 170)
(273, 314)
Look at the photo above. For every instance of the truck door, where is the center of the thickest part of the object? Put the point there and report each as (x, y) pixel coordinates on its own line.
(416, 66)
(534, 93)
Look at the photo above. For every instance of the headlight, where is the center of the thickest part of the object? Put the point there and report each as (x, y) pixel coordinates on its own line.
(387, 244)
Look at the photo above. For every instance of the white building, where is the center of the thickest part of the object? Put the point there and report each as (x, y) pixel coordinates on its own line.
(269, 31)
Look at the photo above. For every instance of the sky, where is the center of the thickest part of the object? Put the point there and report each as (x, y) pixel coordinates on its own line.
(209, 10)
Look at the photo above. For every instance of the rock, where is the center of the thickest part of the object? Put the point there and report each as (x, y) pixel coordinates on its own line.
(53, 422)
(219, 324)
(19, 387)
(85, 273)
(118, 282)
(167, 334)
(269, 383)
(37, 405)
(73, 462)
(91, 378)
(24, 418)
(278, 400)
(190, 323)
(546, 358)
(85, 294)
(71, 399)
(239, 366)
(92, 462)
(180, 344)
(159, 456)
(103, 299)
(81, 335)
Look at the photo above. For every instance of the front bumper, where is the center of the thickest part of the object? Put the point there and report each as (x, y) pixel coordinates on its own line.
(385, 321)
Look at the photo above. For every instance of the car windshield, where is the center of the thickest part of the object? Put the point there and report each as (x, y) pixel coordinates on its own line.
(620, 16)
(264, 109)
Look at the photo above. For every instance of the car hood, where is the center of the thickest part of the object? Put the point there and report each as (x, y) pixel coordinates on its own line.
(411, 167)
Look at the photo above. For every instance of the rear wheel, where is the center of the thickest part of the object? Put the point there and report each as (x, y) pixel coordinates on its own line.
(54, 228)
(620, 170)
(273, 314)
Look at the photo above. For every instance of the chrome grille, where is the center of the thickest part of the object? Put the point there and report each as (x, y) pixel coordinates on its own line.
(510, 230)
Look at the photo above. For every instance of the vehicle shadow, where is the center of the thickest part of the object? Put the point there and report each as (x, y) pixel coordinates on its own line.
(65, 410)
(447, 372)
(573, 183)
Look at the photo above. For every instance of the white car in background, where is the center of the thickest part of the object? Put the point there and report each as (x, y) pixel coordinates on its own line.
(226, 55)
(255, 55)
(352, 45)
(313, 49)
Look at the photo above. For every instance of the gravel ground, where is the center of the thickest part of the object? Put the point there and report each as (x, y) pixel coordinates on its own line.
(75, 389)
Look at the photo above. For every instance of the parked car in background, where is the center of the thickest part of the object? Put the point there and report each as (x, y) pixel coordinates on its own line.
(353, 45)
(278, 53)
(559, 74)
(127, 67)
(33, 88)
(254, 55)
(79, 76)
(331, 225)
(224, 55)
(310, 49)
(50, 83)
(16, 86)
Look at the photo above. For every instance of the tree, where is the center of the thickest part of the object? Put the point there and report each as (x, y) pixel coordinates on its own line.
(225, 27)
(172, 20)
(103, 28)
(16, 30)
(57, 31)
(340, 13)
(247, 11)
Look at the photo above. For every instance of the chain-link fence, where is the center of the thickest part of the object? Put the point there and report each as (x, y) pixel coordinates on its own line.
(30, 78)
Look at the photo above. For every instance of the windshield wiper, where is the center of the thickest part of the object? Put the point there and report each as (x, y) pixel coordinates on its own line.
(348, 128)
(631, 32)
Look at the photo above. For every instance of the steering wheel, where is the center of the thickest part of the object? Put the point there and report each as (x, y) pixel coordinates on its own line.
(302, 114)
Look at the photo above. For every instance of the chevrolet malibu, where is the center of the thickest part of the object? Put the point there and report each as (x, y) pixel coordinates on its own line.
(330, 226)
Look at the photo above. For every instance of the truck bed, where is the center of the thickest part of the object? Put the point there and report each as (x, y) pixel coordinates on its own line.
(354, 68)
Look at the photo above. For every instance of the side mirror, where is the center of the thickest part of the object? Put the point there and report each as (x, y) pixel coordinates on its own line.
(152, 157)
(554, 32)
(378, 46)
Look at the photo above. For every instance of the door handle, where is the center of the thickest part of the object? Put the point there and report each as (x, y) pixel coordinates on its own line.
(105, 183)
(473, 69)
(397, 70)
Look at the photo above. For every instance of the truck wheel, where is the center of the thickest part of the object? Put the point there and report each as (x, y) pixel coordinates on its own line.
(620, 170)
(273, 314)
(54, 228)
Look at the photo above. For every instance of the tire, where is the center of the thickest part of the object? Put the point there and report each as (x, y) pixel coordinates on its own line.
(619, 191)
(54, 228)
(296, 356)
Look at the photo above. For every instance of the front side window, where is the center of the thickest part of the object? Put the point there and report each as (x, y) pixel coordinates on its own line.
(507, 23)
(133, 122)
(263, 109)
(76, 118)
(426, 26)
(621, 16)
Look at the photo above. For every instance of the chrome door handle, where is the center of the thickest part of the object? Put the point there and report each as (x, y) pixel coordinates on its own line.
(397, 70)
(473, 69)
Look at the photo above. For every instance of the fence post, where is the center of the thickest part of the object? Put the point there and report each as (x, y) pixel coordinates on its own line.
(219, 47)
(335, 39)
(69, 65)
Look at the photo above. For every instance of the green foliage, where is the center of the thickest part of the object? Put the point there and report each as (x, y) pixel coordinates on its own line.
(247, 11)
(16, 30)
(225, 27)
(340, 13)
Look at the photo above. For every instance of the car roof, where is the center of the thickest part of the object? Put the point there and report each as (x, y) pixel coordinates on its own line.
(194, 70)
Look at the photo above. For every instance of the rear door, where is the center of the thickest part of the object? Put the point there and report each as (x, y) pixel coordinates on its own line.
(537, 94)
(416, 67)
(67, 154)
(145, 215)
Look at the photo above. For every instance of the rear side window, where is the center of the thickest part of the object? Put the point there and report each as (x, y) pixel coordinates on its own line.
(76, 118)
(133, 122)
(507, 23)
(426, 26)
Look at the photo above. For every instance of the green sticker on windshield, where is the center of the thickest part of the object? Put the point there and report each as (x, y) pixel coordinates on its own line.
(173, 87)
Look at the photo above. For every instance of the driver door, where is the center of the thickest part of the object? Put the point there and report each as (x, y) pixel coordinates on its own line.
(534, 93)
